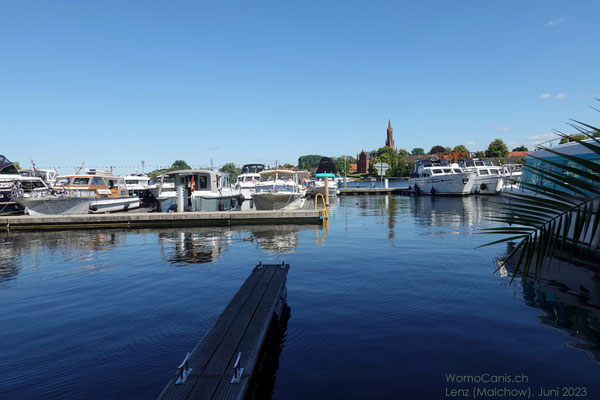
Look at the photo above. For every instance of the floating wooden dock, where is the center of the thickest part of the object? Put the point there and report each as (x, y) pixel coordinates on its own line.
(159, 220)
(376, 191)
(221, 365)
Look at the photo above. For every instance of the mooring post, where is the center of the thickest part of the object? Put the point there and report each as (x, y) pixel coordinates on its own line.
(326, 191)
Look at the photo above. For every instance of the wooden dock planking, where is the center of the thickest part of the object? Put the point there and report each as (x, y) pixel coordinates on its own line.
(242, 327)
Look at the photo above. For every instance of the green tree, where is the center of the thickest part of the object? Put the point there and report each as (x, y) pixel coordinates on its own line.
(387, 155)
(461, 149)
(339, 164)
(479, 154)
(309, 161)
(418, 151)
(176, 166)
(288, 166)
(232, 170)
(572, 138)
(497, 149)
(437, 149)
(520, 148)
(16, 164)
(448, 149)
(403, 152)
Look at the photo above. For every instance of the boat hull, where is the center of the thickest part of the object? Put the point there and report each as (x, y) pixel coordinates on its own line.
(278, 201)
(491, 184)
(76, 205)
(444, 185)
(202, 203)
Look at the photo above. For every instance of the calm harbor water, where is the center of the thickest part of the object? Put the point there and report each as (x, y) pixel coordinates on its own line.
(384, 304)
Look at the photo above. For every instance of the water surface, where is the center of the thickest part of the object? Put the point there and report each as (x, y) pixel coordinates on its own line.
(384, 303)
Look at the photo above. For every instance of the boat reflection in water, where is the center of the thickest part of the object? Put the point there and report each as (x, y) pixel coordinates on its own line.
(568, 293)
(194, 245)
(204, 245)
(471, 211)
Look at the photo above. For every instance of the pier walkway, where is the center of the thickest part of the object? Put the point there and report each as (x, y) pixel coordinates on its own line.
(221, 365)
(159, 220)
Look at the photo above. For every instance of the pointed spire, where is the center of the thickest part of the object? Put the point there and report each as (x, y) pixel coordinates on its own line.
(389, 123)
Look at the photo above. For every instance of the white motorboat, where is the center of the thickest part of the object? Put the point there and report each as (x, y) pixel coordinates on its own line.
(318, 185)
(81, 194)
(489, 178)
(141, 186)
(248, 180)
(13, 184)
(197, 190)
(278, 190)
(439, 177)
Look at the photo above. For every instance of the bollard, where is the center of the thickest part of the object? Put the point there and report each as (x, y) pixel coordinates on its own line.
(326, 191)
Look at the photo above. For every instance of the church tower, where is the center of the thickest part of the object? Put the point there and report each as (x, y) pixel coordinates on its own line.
(390, 136)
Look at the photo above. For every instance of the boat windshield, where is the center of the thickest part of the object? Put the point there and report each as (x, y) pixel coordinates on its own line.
(80, 181)
(276, 188)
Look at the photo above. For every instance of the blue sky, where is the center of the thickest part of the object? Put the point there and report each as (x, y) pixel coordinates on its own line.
(115, 82)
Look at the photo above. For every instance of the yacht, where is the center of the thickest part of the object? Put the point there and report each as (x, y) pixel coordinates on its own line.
(247, 181)
(439, 177)
(13, 184)
(318, 185)
(93, 192)
(489, 178)
(141, 186)
(197, 190)
(278, 189)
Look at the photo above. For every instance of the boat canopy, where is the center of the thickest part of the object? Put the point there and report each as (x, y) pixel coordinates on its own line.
(325, 175)
(264, 175)
(6, 167)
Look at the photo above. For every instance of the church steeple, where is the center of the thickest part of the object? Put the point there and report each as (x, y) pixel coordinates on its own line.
(390, 135)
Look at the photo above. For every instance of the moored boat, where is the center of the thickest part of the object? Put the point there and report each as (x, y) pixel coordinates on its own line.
(439, 177)
(278, 190)
(197, 190)
(488, 178)
(81, 194)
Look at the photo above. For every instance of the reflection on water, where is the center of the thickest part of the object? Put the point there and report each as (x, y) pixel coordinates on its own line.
(14, 245)
(204, 245)
(454, 211)
(569, 295)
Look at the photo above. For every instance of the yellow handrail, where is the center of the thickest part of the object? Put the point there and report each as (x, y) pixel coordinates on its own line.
(324, 205)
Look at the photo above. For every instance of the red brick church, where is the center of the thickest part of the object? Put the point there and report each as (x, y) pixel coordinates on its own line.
(362, 159)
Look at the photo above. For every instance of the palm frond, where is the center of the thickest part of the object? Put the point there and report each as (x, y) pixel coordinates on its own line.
(561, 214)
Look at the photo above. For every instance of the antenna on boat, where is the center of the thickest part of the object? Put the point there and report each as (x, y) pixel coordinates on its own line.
(80, 168)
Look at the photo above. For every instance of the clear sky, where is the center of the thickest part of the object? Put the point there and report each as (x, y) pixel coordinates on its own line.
(117, 82)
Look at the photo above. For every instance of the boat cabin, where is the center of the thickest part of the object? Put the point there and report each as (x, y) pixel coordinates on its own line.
(91, 185)
(430, 167)
(252, 168)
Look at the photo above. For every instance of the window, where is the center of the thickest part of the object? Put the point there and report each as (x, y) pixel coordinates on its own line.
(458, 171)
(97, 181)
(436, 171)
(483, 172)
(447, 170)
(81, 181)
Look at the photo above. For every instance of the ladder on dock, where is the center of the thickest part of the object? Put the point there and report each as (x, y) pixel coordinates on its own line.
(221, 365)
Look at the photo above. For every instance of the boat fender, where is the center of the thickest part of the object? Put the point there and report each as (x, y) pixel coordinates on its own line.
(240, 199)
(93, 208)
(221, 206)
(483, 186)
(416, 188)
(126, 207)
(251, 204)
(432, 191)
(172, 208)
(465, 181)
(477, 190)
(232, 202)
